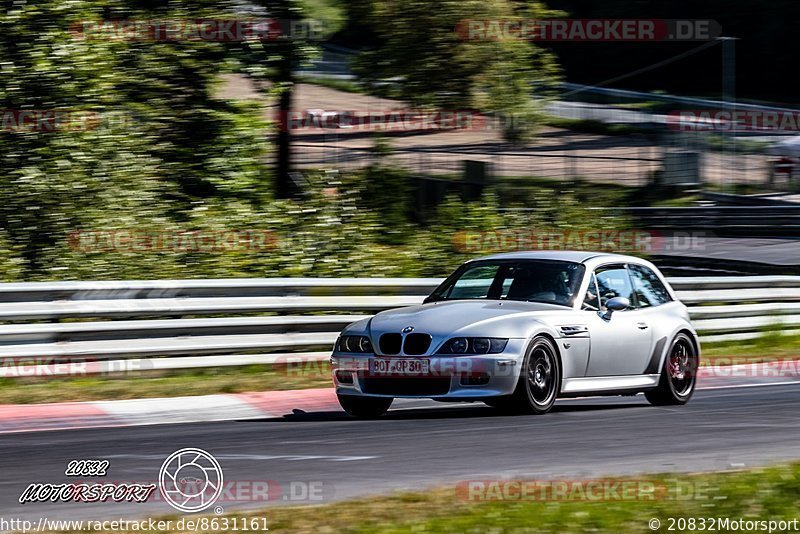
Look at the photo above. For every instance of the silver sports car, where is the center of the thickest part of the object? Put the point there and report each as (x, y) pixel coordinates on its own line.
(519, 330)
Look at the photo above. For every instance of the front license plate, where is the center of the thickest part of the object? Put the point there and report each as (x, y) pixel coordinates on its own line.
(395, 366)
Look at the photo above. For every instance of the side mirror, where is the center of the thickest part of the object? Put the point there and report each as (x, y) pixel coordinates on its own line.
(618, 304)
(615, 304)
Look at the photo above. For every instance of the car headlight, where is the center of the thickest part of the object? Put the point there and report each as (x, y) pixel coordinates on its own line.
(458, 345)
(473, 345)
(355, 344)
(482, 345)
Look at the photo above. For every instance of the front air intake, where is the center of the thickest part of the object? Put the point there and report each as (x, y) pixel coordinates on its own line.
(417, 344)
(390, 343)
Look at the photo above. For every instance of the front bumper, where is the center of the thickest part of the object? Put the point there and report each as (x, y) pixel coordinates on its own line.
(449, 377)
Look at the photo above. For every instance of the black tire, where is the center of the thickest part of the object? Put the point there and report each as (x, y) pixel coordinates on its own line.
(365, 407)
(678, 375)
(539, 381)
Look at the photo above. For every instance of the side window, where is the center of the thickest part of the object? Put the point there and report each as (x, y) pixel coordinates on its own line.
(649, 289)
(613, 281)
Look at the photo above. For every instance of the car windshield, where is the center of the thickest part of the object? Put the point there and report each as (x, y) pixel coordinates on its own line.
(550, 281)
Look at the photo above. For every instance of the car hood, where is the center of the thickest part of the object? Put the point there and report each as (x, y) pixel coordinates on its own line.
(464, 317)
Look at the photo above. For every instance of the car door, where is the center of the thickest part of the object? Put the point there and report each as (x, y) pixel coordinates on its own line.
(620, 340)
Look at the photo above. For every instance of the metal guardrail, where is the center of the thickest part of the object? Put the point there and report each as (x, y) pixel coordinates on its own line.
(176, 325)
(739, 220)
(701, 103)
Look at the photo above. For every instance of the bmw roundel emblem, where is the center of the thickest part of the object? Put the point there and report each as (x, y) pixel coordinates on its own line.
(408, 329)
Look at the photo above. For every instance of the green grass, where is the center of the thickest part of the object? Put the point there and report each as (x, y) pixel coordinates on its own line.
(594, 127)
(772, 344)
(755, 494)
(677, 202)
(647, 105)
(738, 189)
(720, 143)
(346, 86)
(525, 190)
(149, 384)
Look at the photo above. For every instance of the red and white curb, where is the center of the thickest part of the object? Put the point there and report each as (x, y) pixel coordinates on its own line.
(196, 409)
(276, 404)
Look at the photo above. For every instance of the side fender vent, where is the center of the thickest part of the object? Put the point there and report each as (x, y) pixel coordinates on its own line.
(574, 330)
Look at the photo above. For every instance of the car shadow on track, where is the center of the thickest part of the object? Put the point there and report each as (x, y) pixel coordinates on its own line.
(450, 412)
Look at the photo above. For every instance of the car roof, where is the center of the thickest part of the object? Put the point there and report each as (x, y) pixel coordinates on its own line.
(577, 256)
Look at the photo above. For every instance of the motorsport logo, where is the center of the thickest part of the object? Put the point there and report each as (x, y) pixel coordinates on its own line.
(190, 480)
(84, 491)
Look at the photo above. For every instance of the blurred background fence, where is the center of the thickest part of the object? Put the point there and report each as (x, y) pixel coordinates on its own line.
(670, 159)
(591, 133)
(636, 168)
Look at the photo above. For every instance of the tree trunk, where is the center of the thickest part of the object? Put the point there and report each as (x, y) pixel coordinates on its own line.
(285, 186)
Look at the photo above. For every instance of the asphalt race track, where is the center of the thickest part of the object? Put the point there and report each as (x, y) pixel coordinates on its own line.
(415, 448)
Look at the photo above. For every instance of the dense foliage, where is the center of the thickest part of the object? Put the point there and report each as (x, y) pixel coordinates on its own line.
(420, 44)
(165, 156)
(161, 148)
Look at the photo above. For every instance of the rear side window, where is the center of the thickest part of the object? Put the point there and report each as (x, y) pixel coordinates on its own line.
(649, 289)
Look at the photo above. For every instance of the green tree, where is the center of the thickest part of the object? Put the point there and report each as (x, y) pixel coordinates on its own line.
(163, 145)
(435, 66)
(274, 62)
